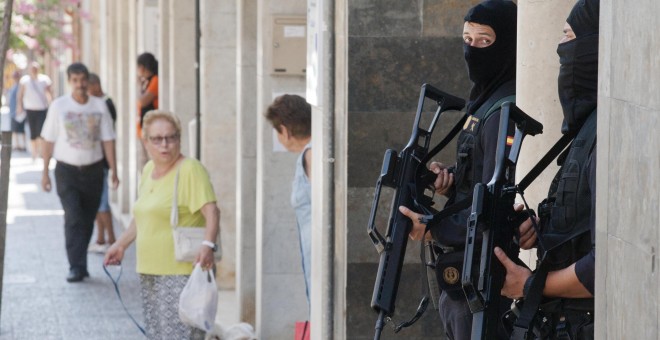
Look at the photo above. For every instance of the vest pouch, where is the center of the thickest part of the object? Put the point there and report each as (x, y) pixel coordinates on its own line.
(464, 163)
(564, 215)
(586, 331)
(570, 324)
(448, 271)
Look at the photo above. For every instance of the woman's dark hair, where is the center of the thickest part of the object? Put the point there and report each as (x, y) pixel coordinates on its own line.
(148, 61)
(293, 112)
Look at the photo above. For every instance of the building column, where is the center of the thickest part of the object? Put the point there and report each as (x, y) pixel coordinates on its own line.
(321, 95)
(109, 79)
(246, 155)
(181, 82)
(106, 58)
(148, 26)
(540, 27)
(218, 120)
(280, 284)
(125, 40)
(628, 204)
(163, 56)
(89, 40)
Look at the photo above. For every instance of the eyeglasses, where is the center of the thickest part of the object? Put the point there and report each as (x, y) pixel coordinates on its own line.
(158, 140)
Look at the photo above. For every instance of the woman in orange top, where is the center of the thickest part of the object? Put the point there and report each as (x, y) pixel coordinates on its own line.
(147, 70)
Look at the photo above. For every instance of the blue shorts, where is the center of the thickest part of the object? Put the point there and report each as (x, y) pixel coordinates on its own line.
(105, 204)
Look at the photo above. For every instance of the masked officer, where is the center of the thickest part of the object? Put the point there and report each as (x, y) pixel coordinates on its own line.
(489, 35)
(565, 276)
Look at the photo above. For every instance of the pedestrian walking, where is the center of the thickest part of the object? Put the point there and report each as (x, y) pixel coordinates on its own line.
(17, 120)
(34, 97)
(77, 133)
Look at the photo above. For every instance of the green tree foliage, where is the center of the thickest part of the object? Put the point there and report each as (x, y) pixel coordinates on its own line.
(41, 25)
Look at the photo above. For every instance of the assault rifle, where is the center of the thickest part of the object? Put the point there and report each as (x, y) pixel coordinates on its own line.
(408, 175)
(493, 214)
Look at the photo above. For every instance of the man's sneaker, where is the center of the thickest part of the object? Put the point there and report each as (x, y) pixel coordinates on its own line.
(97, 248)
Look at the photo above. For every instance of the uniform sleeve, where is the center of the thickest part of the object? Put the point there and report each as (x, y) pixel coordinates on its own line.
(50, 129)
(195, 186)
(585, 268)
(107, 129)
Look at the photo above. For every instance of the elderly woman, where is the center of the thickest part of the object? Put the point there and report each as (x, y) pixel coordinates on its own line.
(162, 278)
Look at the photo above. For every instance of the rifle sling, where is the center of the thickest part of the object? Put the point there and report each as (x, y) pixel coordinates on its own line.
(521, 328)
(556, 149)
(444, 213)
(448, 138)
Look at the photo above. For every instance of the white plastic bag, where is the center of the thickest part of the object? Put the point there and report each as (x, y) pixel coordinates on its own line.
(198, 302)
(20, 117)
(240, 331)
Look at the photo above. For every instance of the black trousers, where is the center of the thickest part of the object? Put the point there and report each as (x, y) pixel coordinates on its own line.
(79, 189)
(36, 121)
(456, 317)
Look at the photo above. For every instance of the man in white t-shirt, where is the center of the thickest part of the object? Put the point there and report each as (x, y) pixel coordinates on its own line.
(34, 96)
(77, 133)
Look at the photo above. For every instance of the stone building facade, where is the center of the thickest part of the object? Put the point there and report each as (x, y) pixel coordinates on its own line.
(366, 62)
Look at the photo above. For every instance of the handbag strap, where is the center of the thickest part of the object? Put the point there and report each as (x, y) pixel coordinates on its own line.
(115, 282)
(174, 213)
(41, 96)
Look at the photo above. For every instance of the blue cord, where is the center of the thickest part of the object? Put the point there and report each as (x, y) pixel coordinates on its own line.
(115, 282)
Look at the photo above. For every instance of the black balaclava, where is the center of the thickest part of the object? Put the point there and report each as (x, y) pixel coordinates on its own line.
(492, 66)
(578, 73)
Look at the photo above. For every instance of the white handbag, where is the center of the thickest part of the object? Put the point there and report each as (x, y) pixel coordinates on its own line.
(187, 240)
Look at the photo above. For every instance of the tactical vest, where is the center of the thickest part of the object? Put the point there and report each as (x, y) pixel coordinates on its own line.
(467, 172)
(566, 212)
(469, 169)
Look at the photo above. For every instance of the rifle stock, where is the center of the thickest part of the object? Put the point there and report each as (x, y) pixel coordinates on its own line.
(403, 172)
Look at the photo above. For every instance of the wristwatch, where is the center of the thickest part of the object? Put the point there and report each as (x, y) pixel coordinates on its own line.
(211, 245)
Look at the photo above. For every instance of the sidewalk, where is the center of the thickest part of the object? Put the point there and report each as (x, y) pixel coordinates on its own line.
(37, 302)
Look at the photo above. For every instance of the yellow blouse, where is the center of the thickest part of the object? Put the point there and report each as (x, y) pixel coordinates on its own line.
(154, 243)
